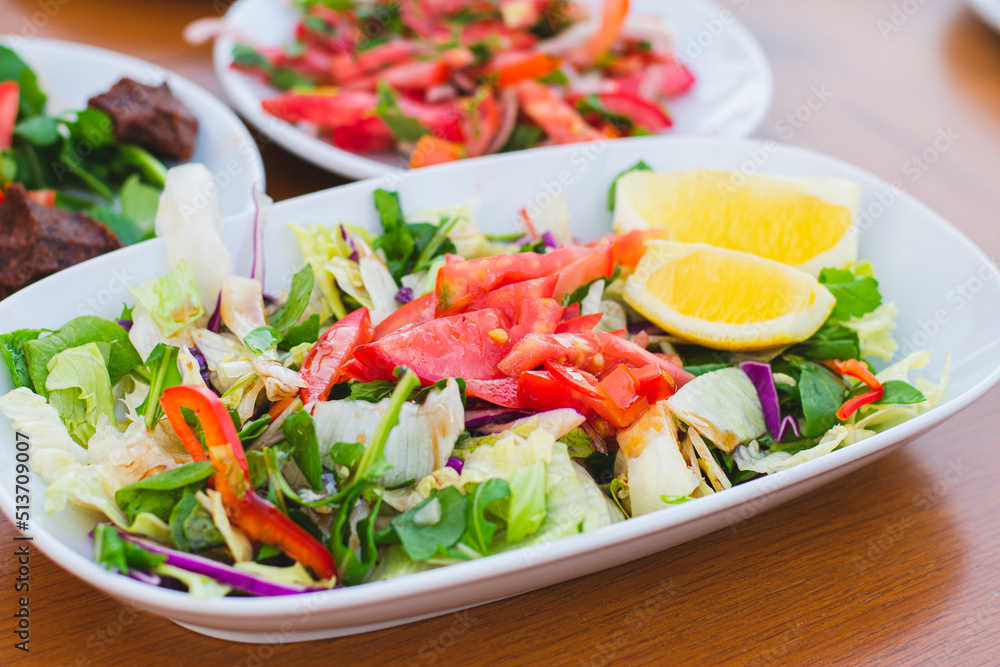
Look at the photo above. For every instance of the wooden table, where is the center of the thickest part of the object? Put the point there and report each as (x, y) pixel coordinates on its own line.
(897, 563)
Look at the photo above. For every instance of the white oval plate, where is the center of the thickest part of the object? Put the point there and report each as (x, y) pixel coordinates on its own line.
(730, 98)
(72, 73)
(988, 10)
(955, 307)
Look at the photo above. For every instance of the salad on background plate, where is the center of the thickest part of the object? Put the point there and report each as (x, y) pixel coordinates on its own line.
(433, 394)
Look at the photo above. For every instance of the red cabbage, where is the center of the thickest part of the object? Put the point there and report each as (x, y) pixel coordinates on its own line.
(224, 574)
(262, 203)
(404, 295)
(549, 240)
(215, 321)
(763, 381)
(125, 324)
(350, 242)
(479, 418)
(456, 464)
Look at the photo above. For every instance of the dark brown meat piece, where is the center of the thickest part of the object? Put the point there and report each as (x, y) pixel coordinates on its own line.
(36, 241)
(150, 117)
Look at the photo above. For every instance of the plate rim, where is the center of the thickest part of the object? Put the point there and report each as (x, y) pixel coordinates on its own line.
(167, 602)
(335, 160)
(216, 106)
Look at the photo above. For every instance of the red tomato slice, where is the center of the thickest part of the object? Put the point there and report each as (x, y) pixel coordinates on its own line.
(577, 380)
(621, 417)
(536, 316)
(502, 392)
(677, 79)
(10, 97)
(654, 384)
(371, 134)
(354, 370)
(620, 385)
(323, 365)
(540, 390)
(560, 121)
(579, 324)
(481, 123)
(466, 346)
(599, 264)
(509, 297)
(644, 113)
(592, 351)
(430, 151)
(418, 311)
(629, 248)
(416, 75)
(571, 312)
(459, 284)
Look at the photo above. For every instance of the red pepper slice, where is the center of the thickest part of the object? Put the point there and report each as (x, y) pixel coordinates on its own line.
(852, 405)
(255, 516)
(324, 364)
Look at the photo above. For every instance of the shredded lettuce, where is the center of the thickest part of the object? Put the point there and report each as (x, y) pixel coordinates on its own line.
(173, 301)
(319, 245)
(723, 406)
(527, 502)
(874, 331)
(80, 390)
(752, 457)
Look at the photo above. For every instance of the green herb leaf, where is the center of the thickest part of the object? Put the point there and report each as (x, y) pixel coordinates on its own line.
(373, 392)
(479, 530)
(289, 312)
(191, 526)
(139, 203)
(12, 68)
(821, 394)
(898, 392)
(387, 108)
(127, 231)
(832, 341)
(262, 339)
(701, 369)
(12, 349)
(434, 525)
(39, 130)
(300, 432)
(253, 428)
(158, 494)
(161, 365)
(307, 332)
(114, 553)
(856, 296)
(522, 138)
(638, 166)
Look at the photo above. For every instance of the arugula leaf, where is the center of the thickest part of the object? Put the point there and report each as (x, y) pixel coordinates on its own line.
(300, 432)
(406, 128)
(161, 365)
(638, 166)
(832, 341)
(127, 231)
(373, 392)
(347, 454)
(479, 530)
(12, 349)
(420, 395)
(821, 394)
(434, 525)
(856, 296)
(409, 247)
(158, 494)
(307, 332)
(390, 211)
(701, 369)
(39, 130)
(289, 312)
(898, 392)
(12, 68)
(523, 137)
(114, 553)
(262, 339)
(527, 502)
(80, 331)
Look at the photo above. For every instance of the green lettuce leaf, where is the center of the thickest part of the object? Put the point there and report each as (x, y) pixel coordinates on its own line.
(12, 349)
(158, 494)
(434, 525)
(298, 299)
(173, 300)
(527, 502)
(80, 390)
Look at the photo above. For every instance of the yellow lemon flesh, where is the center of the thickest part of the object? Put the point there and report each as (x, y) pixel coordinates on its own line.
(803, 222)
(725, 299)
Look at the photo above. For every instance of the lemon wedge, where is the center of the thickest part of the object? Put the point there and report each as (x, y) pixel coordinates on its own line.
(806, 222)
(726, 299)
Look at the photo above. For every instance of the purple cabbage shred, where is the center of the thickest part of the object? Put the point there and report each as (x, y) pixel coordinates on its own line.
(202, 367)
(549, 240)
(455, 464)
(354, 249)
(763, 381)
(125, 324)
(215, 321)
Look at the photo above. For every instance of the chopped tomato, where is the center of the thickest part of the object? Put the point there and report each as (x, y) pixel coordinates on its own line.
(459, 284)
(629, 248)
(577, 380)
(371, 134)
(578, 324)
(509, 297)
(256, 517)
(418, 311)
(572, 311)
(676, 79)
(612, 20)
(514, 67)
(324, 364)
(415, 75)
(598, 264)
(559, 120)
(620, 385)
(497, 35)
(592, 351)
(642, 112)
(10, 98)
(43, 197)
(502, 392)
(541, 390)
(621, 417)
(354, 370)
(430, 151)
(466, 346)
(536, 316)
(654, 384)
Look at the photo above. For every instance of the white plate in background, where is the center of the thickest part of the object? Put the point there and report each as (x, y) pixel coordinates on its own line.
(731, 95)
(71, 73)
(900, 236)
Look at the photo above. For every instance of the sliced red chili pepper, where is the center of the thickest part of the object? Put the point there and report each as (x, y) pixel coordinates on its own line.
(852, 405)
(255, 516)
(855, 369)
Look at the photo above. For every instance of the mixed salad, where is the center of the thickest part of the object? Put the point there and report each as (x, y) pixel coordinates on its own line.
(416, 398)
(442, 80)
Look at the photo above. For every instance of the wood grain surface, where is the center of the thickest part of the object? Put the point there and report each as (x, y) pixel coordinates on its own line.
(898, 563)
